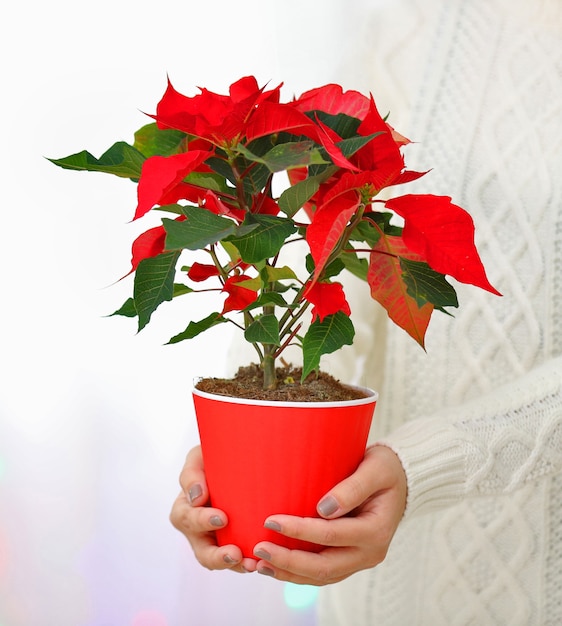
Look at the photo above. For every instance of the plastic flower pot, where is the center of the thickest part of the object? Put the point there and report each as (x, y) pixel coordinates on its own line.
(264, 457)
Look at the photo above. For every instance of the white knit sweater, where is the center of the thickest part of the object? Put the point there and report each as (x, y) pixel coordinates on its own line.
(477, 421)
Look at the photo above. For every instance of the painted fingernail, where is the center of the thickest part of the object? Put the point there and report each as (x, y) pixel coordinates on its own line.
(328, 506)
(262, 554)
(216, 521)
(266, 571)
(228, 559)
(196, 491)
(273, 525)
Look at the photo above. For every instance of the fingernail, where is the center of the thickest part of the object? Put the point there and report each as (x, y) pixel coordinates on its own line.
(273, 526)
(228, 559)
(216, 521)
(266, 571)
(262, 554)
(194, 492)
(328, 506)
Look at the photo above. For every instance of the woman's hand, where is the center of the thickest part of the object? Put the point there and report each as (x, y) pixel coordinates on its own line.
(360, 514)
(197, 521)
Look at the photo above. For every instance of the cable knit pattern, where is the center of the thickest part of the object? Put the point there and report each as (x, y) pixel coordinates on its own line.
(477, 421)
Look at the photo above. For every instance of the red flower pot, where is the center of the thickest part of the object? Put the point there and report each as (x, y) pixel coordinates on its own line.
(263, 458)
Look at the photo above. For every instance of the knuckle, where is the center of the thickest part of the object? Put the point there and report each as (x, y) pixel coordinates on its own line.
(178, 516)
(356, 490)
(329, 535)
(296, 528)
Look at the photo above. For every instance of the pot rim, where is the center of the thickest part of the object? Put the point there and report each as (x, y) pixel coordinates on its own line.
(370, 398)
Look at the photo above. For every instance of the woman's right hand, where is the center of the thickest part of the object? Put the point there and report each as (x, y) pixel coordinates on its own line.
(192, 516)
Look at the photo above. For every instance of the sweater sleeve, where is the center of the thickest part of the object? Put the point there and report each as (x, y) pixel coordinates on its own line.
(492, 445)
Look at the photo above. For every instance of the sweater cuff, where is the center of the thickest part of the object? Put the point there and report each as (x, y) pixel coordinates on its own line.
(432, 453)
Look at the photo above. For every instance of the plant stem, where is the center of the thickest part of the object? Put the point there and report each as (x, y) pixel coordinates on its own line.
(268, 364)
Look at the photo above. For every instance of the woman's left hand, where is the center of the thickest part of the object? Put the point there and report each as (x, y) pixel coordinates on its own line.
(359, 518)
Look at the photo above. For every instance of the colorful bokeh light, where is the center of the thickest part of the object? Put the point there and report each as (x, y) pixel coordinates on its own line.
(149, 618)
(300, 597)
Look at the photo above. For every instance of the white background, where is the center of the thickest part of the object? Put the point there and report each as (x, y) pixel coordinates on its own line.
(95, 420)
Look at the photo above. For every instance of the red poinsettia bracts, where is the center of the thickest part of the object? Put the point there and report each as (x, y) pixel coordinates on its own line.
(328, 299)
(388, 289)
(328, 224)
(199, 272)
(148, 244)
(217, 118)
(161, 176)
(442, 233)
(239, 297)
(215, 205)
(332, 99)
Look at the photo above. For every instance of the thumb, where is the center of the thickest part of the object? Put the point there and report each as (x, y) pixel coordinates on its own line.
(379, 470)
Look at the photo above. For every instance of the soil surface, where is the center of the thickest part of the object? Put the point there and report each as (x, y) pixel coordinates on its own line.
(248, 382)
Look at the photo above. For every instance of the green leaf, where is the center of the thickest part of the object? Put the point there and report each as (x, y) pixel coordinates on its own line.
(128, 309)
(383, 220)
(196, 328)
(350, 146)
(366, 232)
(426, 285)
(209, 180)
(154, 284)
(268, 298)
(151, 141)
(356, 265)
(264, 330)
(296, 196)
(121, 160)
(201, 229)
(325, 337)
(170, 208)
(344, 125)
(255, 180)
(285, 156)
(272, 274)
(180, 289)
(331, 270)
(265, 240)
(222, 168)
(231, 250)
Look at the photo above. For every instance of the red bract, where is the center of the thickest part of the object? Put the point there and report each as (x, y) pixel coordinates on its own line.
(382, 154)
(214, 204)
(442, 233)
(199, 272)
(148, 244)
(327, 227)
(161, 175)
(218, 118)
(333, 100)
(264, 205)
(238, 297)
(327, 298)
(387, 287)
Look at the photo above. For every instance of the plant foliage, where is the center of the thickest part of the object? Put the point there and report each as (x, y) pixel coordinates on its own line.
(208, 163)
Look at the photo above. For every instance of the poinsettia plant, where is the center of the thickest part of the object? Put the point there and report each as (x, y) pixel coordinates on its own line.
(211, 165)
